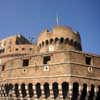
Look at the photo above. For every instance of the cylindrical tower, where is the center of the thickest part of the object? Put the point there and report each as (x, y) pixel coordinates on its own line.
(60, 38)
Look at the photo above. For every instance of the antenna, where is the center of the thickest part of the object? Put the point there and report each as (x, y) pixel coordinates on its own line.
(57, 20)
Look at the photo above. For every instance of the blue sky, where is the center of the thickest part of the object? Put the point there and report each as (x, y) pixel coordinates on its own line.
(30, 17)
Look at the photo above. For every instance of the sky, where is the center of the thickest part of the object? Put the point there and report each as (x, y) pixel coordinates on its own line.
(30, 17)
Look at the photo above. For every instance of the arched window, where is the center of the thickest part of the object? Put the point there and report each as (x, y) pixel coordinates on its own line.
(84, 92)
(30, 49)
(23, 90)
(46, 90)
(23, 49)
(55, 90)
(16, 49)
(64, 89)
(16, 90)
(71, 41)
(56, 40)
(61, 40)
(42, 43)
(98, 93)
(3, 67)
(38, 90)
(75, 44)
(30, 89)
(51, 41)
(6, 89)
(10, 89)
(75, 91)
(10, 86)
(39, 45)
(66, 40)
(91, 94)
(46, 42)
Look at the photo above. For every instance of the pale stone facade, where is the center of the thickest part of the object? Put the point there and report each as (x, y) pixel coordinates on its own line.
(55, 68)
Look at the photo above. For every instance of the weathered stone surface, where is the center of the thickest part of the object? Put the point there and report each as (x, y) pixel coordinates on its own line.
(66, 65)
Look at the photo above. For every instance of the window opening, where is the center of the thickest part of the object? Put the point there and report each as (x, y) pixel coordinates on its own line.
(3, 67)
(46, 59)
(88, 60)
(25, 62)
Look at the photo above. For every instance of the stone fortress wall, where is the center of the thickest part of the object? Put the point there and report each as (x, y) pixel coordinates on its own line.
(55, 68)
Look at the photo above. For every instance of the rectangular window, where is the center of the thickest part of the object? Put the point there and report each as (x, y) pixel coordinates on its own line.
(25, 62)
(88, 60)
(46, 59)
(3, 68)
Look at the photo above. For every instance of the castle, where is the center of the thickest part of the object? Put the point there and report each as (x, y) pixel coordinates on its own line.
(54, 68)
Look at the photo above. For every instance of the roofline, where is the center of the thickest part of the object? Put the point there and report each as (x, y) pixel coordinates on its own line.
(11, 36)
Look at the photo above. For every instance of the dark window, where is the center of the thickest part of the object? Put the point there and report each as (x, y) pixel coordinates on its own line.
(16, 90)
(23, 48)
(46, 90)
(25, 62)
(30, 49)
(75, 91)
(3, 67)
(56, 40)
(88, 60)
(10, 86)
(16, 49)
(51, 41)
(6, 89)
(91, 93)
(55, 90)
(61, 40)
(83, 92)
(38, 90)
(30, 89)
(2, 50)
(65, 90)
(46, 59)
(47, 42)
(23, 90)
(66, 40)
